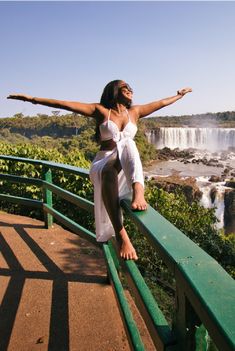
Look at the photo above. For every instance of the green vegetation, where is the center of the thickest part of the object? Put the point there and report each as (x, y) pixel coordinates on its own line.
(66, 133)
(71, 132)
(69, 139)
(194, 221)
(220, 119)
(70, 182)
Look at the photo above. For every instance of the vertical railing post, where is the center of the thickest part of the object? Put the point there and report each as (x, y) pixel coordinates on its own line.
(185, 322)
(47, 196)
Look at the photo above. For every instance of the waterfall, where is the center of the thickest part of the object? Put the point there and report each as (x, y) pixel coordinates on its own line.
(206, 187)
(211, 139)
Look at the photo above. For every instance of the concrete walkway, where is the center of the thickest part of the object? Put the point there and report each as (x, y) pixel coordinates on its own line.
(54, 292)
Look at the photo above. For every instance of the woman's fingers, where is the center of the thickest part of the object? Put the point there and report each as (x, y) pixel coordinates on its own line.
(187, 90)
(184, 91)
(19, 97)
(15, 96)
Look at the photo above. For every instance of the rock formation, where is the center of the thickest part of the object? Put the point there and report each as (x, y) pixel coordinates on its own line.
(174, 182)
(229, 211)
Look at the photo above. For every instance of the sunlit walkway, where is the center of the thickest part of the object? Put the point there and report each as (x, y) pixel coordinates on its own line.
(54, 293)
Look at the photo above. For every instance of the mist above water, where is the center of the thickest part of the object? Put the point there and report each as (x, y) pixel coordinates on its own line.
(217, 144)
(211, 139)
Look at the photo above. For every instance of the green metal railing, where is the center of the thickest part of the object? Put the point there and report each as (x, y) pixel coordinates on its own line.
(204, 291)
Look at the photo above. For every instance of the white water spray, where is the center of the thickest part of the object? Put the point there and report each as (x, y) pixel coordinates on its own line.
(206, 187)
(212, 139)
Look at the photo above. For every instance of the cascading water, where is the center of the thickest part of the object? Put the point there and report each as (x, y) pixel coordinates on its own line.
(214, 144)
(206, 188)
(212, 139)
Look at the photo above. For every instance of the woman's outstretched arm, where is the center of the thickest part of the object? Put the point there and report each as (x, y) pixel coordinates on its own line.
(145, 110)
(74, 106)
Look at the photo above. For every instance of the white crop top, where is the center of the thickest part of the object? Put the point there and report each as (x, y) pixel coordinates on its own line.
(109, 130)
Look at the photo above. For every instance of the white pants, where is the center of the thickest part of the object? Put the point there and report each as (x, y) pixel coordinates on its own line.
(130, 173)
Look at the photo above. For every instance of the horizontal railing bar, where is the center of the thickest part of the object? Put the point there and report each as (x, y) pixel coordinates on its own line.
(154, 319)
(67, 195)
(18, 179)
(82, 172)
(20, 159)
(195, 271)
(73, 226)
(21, 200)
(129, 323)
(158, 231)
(216, 314)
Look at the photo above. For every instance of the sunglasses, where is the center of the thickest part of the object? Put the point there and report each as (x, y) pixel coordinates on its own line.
(126, 86)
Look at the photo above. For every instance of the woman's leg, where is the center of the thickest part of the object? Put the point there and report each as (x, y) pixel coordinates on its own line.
(133, 170)
(111, 201)
(138, 200)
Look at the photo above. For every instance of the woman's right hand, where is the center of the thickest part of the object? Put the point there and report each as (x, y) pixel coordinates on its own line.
(22, 97)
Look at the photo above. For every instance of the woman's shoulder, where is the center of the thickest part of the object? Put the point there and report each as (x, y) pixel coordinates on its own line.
(133, 110)
(101, 112)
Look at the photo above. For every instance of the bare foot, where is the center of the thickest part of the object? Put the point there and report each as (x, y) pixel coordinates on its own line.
(127, 250)
(138, 200)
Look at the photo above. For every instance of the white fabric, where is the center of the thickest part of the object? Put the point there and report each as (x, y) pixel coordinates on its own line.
(131, 172)
(109, 129)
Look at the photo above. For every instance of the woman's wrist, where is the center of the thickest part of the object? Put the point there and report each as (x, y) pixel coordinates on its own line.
(179, 93)
(33, 100)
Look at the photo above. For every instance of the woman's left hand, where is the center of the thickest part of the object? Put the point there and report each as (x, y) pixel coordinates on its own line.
(184, 91)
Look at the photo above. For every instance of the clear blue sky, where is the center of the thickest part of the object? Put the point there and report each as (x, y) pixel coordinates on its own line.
(70, 50)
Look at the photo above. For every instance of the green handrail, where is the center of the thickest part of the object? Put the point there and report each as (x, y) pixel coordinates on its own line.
(203, 289)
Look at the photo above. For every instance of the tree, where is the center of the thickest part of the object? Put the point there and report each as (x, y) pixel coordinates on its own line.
(18, 115)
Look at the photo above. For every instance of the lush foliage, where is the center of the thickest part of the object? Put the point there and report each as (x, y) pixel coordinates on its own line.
(220, 119)
(195, 221)
(66, 133)
(66, 180)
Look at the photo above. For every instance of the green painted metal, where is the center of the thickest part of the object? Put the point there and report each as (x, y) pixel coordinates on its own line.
(21, 201)
(151, 313)
(20, 159)
(154, 319)
(47, 196)
(130, 325)
(73, 226)
(204, 289)
(67, 195)
(114, 252)
(19, 179)
(82, 172)
(201, 279)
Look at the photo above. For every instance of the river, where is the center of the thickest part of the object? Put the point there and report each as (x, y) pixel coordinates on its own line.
(217, 144)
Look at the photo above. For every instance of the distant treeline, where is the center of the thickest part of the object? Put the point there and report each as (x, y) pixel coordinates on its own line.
(66, 133)
(44, 125)
(70, 131)
(219, 119)
(73, 124)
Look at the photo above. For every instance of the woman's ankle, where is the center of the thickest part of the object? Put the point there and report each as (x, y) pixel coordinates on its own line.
(123, 236)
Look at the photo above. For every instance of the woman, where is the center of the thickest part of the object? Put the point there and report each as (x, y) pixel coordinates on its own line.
(116, 169)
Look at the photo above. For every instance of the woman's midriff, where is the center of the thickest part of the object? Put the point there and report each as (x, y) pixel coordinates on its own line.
(107, 145)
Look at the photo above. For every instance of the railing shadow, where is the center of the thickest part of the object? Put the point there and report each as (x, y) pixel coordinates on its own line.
(12, 296)
(59, 314)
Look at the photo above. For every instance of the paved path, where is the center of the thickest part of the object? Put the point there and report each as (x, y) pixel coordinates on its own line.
(54, 293)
